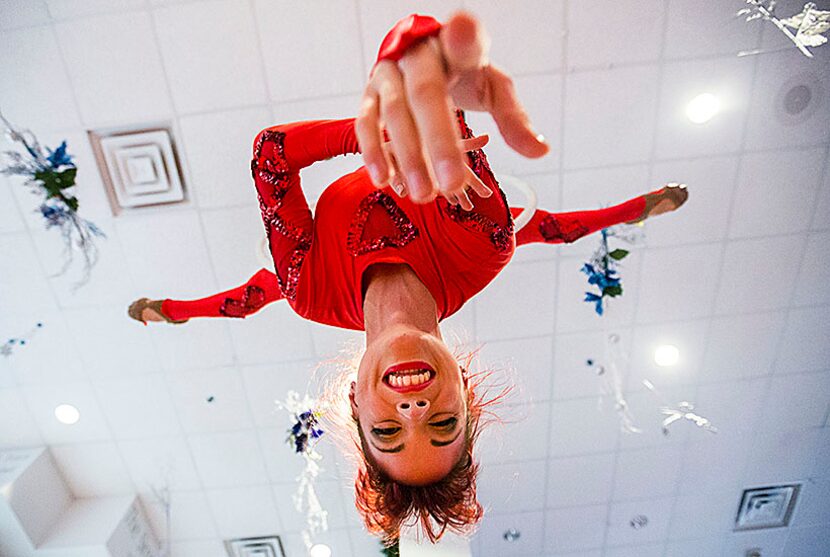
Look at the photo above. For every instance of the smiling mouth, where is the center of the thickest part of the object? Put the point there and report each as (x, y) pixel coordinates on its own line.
(409, 376)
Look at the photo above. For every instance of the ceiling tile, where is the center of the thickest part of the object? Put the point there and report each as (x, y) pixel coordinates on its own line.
(573, 528)
(123, 83)
(159, 462)
(713, 465)
(190, 516)
(68, 9)
(111, 345)
(267, 384)
(616, 43)
(729, 79)
(43, 398)
(579, 427)
(742, 346)
(199, 548)
(17, 426)
(812, 508)
(809, 392)
(49, 354)
(25, 291)
(678, 283)
(758, 274)
(647, 550)
(10, 219)
(574, 314)
(776, 192)
(821, 217)
(620, 531)
(573, 377)
(503, 307)
(23, 13)
(804, 542)
(231, 459)
(512, 487)
(734, 407)
(283, 464)
(210, 400)
(527, 361)
(645, 408)
(219, 147)
(541, 97)
(815, 273)
(703, 218)
(694, 548)
(566, 485)
(337, 540)
(159, 267)
(198, 344)
(647, 473)
(698, 516)
(235, 240)
(725, 33)
(138, 407)
(493, 527)
(770, 541)
(292, 342)
(330, 63)
(330, 499)
(93, 469)
(213, 64)
(29, 100)
(790, 101)
(781, 457)
(822, 455)
(602, 129)
(541, 21)
(244, 512)
(520, 433)
(805, 346)
(689, 339)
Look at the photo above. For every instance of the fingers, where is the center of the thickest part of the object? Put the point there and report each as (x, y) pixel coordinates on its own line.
(367, 129)
(428, 97)
(475, 143)
(464, 43)
(511, 118)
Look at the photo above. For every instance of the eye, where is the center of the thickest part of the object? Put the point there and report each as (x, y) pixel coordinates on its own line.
(385, 431)
(449, 423)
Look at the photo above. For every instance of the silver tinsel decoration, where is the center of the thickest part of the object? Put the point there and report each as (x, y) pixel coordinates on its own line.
(808, 25)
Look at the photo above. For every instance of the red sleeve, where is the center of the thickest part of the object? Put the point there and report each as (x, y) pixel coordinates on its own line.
(241, 301)
(406, 33)
(301, 144)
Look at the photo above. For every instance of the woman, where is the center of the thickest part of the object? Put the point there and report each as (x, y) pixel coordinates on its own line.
(394, 268)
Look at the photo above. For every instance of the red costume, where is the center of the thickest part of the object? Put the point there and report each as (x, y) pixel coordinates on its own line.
(320, 260)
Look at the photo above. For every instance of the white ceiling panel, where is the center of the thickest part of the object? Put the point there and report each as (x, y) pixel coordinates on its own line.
(203, 343)
(210, 400)
(573, 377)
(635, 479)
(577, 427)
(803, 542)
(698, 516)
(230, 459)
(528, 363)
(602, 129)
(234, 238)
(646, 550)
(199, 548)
(244, 512)
(512, 487)
(159, 462)
(289, 338)
(493, 527)
(129, 69)
(17, 426)
(646, 415)
(520, 433)
(810, 392)
(781, 457)
(330, 64)
(10, 219)
(330, 498)
(772, 541)
(266, 384)
(725, 33)
(43, 398)
(815, 273)
(191, 521)
(215, 63)
(23, 13)
(742, 346)
(575, 528)
(805, 346)
(138, 407)
(68, 9)
(713, 466)
(565, 487)
(93, 469)
(658, 512)
(689, 339)
(734, 407)
(694, 548)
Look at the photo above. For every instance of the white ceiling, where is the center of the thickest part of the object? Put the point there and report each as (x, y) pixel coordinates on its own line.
(737, 279)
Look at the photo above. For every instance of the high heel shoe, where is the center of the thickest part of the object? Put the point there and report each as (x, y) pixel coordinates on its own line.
(136, 310)
(675, 194)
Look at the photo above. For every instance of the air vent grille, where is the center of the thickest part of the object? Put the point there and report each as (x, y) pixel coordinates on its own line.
(268, 546)
(766, 507)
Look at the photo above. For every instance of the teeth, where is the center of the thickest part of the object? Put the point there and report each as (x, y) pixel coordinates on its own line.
(408, 379)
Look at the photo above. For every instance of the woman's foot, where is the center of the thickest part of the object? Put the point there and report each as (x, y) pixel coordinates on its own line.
(145, 310)
(664, 200)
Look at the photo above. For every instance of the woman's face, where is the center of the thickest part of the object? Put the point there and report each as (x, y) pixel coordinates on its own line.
(409, 399)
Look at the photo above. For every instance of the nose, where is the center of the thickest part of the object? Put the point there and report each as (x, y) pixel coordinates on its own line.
(413, 409)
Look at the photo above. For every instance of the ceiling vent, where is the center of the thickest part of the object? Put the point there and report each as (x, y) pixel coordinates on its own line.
(269, 546)
(139, 167)
(766, 507)
(798, 99)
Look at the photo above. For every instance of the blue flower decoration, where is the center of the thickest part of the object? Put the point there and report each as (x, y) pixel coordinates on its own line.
(59, 157)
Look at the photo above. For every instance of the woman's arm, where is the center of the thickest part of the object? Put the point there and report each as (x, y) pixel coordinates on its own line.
(260, 290)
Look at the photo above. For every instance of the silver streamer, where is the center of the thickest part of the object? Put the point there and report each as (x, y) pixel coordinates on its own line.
(808, 25)
(682, 411)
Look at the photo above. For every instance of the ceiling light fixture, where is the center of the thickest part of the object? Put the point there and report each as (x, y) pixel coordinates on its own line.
(319, 550)
(666, 355)
(67, 414)
(702, 108)
(512, 535)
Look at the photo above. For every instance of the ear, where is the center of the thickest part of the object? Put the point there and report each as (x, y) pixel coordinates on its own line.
(352, 402)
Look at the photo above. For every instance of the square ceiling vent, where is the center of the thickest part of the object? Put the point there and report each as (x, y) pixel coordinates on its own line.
(269, 546)
(766, 507)
(139, 167)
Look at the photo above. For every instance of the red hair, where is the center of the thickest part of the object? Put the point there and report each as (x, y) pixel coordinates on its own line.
(451, 503)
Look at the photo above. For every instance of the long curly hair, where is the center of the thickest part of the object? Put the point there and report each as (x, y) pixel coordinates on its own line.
(386, 505)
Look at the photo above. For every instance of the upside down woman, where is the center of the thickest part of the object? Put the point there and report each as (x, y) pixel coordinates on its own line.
(391, 254)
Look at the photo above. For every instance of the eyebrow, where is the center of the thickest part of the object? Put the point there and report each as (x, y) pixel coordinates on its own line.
(433, 442)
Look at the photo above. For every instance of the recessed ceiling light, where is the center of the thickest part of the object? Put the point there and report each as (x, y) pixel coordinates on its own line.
(702, 108)
(319, 550)
(67, 414)
(666, 355)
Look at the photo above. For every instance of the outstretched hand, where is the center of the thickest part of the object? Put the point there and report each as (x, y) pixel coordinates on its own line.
(414, 98)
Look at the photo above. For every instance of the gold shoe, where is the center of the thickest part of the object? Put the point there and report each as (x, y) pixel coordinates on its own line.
(664, 200)
(136, 310)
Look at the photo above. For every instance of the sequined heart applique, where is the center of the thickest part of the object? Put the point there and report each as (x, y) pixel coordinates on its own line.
(252, 299)
(551, 229)
(405, 230)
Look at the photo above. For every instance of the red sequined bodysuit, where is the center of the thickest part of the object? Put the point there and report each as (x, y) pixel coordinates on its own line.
(320, 260)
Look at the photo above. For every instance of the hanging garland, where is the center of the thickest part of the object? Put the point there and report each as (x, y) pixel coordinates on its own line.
(808, 25)
(52, 176)
(7, 348)
(602, 267)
